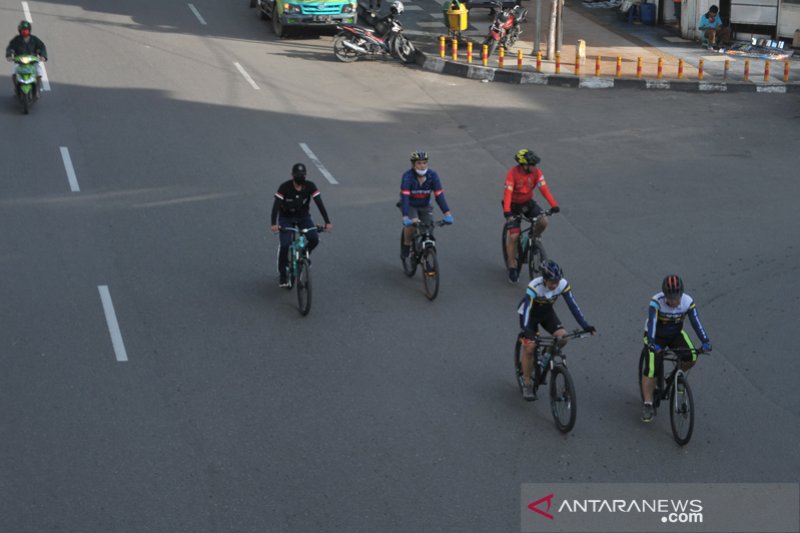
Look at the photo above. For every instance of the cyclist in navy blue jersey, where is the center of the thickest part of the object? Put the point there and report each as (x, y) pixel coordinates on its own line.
(418, 183)
(536, 308)
(664, 328)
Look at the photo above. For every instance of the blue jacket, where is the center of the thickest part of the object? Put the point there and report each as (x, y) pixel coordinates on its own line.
(416, 194)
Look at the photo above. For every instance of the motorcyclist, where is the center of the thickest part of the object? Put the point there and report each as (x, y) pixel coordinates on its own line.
(383, 25)
(26, 44)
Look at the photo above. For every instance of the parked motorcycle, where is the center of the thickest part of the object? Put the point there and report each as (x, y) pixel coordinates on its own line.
(506, 27)
(354, 42)
(26, 87)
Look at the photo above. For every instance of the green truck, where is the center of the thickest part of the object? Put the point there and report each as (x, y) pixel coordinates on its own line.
(286, 14)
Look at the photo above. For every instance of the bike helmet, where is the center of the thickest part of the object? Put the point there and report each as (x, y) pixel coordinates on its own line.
(551, 271)
(298, 170)
(397, 7)
(24, 25)
(672, 287)
(527, 157)
(418, 155)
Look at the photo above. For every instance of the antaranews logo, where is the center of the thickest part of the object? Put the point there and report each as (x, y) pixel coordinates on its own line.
(535, 506)
(670, 510)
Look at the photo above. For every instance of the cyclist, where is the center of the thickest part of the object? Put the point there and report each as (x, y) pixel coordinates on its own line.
(26, 44)
(521, 182)
(291, 208)
(664, 328)
(415, 198)
(536, 308)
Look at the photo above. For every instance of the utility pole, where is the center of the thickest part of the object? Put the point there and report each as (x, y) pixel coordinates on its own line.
(551, 34)
(537, 39)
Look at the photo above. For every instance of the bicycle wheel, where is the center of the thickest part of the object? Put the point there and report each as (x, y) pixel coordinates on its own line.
(518, 362)
(641, 369)
(430, 272)
(562, 398)
(536, 258)
(505, 251)
(303, 286)
(409, 264)
(681, 413)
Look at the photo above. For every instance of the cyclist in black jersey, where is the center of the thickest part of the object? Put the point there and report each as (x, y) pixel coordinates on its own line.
(291, 208)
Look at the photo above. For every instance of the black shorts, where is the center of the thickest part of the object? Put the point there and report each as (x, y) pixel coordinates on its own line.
(653, 363)
(530, 209)
(549, 321)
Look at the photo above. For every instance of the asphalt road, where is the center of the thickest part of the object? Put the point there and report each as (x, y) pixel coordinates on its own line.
(380, 411)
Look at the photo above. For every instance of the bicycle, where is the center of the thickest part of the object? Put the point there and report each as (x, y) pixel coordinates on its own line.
(298, 269)
(530, 249)
(675, 389)
(423, 252)
(549, 357)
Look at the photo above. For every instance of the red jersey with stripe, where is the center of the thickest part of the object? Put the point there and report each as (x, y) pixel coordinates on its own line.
(519, 187)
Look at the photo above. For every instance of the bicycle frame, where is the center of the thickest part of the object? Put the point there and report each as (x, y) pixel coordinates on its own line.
(299, 246)
(549, 350)
(423, 237)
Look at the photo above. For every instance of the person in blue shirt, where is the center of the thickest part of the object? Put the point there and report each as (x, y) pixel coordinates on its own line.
(415, 198)
(711, 26)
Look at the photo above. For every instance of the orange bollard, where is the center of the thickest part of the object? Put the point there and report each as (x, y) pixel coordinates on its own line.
(660, 73)
(680, 69)
(558, 62)
(577, 64)
(441, 46)
(619, 66)
(766, 70)
(469, 52)
(501, 57)
(638, 67)
(519, 60)
(538, 61)
(727, 68)
(597, 66)
(785, 71)
(746, 76)
(700, 70)
(455, 49)
(485, 55)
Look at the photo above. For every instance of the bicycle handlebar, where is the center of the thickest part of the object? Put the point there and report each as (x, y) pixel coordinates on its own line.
(439, 223)
(544, 341)
(679, 351)
(305, 230)
(526, 218)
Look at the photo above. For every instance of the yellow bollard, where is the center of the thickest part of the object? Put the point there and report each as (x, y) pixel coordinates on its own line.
(441, 46)
(577, 64)
(469, 51)
(619, 66)
(501, 57)
(638, 67)
(597, 66)
(558, 62)
(746, 76)
(660, 72)
(485, 55)
(455, 49)
(785, 71)
(519, 60)
(700, 70)
(680, 69)
(766, 70)
(538, 61)
(727, 68)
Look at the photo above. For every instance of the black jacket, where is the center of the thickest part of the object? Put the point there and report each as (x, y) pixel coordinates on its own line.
(34, 46)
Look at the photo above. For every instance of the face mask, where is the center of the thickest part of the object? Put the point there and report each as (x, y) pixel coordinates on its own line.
(421, 172)
(299, 180)
(25, 33)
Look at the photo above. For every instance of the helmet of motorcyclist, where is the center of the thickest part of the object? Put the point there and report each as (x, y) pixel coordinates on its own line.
(551, 271)
(503, 16)
(419, 155)
(298, 170)
(672, 287)
(24, 28)
(527, 157)
(397, 7)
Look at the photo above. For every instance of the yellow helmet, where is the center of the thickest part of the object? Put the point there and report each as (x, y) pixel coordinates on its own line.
(527, 157)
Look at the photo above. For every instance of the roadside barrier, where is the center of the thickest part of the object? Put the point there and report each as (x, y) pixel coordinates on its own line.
(660, 73)
(485, 55)
(727, 69)
(746, 76)
(785, 71)
(455, 49)
(577, 64)
(597, 66)
(766, 70)
(519, 60)
(700, 69)
(619, 66)
(558, 62)
(441, 46)
(501, 57)
(680, 69)
(638, 67)
(538, 61)
(469, 51)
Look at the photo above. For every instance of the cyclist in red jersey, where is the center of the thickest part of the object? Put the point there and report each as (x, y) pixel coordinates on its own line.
(521, 182)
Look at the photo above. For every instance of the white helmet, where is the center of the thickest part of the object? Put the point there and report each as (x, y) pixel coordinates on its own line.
(397, 7)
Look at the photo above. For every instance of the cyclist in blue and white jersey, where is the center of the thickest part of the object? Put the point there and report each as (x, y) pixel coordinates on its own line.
(536, 308)
(416, 187)
(664, 328)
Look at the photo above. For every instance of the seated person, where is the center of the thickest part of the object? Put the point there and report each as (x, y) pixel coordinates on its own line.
(713, 31)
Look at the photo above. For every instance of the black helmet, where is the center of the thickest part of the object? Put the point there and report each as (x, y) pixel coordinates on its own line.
(24, 25)
(551, 271)
(527, 157)
(298, 170)
(419, 155)
(672, 287)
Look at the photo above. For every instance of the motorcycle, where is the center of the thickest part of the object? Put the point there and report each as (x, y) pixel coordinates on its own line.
(506, 28)
(26, 86)
(354, 42)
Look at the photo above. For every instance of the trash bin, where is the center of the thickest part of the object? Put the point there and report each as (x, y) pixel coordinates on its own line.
(455, 15)
(648, 13)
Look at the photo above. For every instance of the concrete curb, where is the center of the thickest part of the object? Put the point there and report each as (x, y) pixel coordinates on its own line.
(528, 76)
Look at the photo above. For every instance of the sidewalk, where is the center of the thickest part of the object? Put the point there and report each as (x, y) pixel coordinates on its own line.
(608, 36)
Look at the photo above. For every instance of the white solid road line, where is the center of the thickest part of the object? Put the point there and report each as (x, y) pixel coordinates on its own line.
(246, 75)
(317, 162)
(197, 14)
(73, 180)
(45, 79)
(113, 325)
(27, 12)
